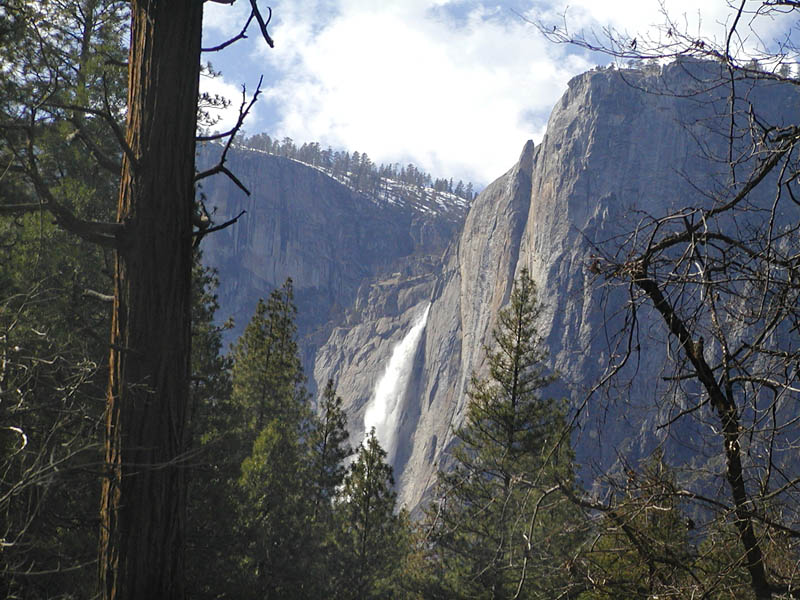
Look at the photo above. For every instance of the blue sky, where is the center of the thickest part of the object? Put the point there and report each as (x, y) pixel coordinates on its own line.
(455, 86)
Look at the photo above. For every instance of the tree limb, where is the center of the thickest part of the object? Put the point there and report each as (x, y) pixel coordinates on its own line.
(101, 157)
(220, 167)
(728, 415)
(261, 23)
(201, 233)
(101, 233)
(98, 295)
(240, 36)
(115, 128)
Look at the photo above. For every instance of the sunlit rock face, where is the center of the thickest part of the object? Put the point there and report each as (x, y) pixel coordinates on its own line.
(618, 146)
(332, 241)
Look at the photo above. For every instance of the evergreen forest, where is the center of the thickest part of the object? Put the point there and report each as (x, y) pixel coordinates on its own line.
(357, 169)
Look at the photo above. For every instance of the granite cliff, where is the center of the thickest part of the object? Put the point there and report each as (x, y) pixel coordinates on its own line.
(331, 240)
(399, 302)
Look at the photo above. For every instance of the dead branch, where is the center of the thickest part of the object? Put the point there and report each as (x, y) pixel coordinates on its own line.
(220, 167)
(98, 295)
(255, 13)
(240, 36)
(261, 23)
(201, 233)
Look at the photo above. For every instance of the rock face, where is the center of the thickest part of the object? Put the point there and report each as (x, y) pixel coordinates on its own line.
(618, 145)
(330, 240)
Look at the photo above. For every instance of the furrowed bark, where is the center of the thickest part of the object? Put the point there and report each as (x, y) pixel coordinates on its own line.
(142, 505)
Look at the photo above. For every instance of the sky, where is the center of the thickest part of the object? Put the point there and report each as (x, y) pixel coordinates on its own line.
(455, 86)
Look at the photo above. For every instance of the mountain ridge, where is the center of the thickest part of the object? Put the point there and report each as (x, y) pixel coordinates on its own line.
(620, 145)
(330, 239)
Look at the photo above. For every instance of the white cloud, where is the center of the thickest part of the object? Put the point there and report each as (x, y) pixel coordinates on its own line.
(225, 117)
(649, 20)
(402, 83)
(456, 86)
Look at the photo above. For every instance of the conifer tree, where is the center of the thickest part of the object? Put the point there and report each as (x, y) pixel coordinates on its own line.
(209, 512)
(53, 318)
(641, 543)
(328, 449)
(371, 536)
(287, 461)
(268, 380)
(499, 525)
(274, 516)
(323, 468)
(271, 420)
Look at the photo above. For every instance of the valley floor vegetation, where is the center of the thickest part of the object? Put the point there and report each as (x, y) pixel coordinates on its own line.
(282, 504)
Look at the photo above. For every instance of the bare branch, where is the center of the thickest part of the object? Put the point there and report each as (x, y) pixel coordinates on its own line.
(261, 23)
(220, 227)
(240, 36)
(222, 169)
(20, 209)
(98, 295)
(244, 110)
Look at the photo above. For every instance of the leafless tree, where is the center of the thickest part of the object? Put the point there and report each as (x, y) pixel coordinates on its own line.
(722, 275)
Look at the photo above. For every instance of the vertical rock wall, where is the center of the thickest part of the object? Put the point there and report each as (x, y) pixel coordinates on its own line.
(619, 146)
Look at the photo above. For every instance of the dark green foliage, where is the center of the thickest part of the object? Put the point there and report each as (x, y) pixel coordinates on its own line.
(262, 503)
(274, 516)
(248, 433)
(641, 543)
(51, 407)
(271, 402)
(209, 516)
(273, 415)
(66, 73)
(357, 169)
(371, 538)
(500, 525)
(329, 448)
(268, 380)
(53, 318)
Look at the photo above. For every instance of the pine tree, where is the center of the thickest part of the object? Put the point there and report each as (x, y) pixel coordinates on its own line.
(274, 516)
(323, 471)
(271, 422)
(270, 470)
(210, 514)
(371, 538)
(53, 317)
(269, 393)
(268, 380)
(499, 523)
(328, 449)
(640, 543)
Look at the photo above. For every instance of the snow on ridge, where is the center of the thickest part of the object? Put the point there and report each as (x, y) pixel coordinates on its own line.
(424, 200)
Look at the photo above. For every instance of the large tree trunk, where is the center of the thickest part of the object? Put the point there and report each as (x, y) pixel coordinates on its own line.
(142, 507)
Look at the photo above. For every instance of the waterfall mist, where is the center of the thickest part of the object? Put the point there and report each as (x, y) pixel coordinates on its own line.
(384, 409)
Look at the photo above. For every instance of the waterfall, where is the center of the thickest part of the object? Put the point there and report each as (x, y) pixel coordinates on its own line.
(384, 409)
